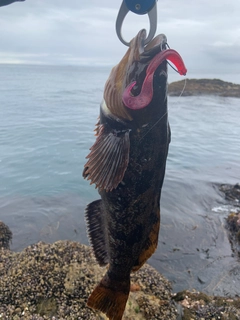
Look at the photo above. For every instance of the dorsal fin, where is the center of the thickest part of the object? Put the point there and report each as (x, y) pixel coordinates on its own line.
(96, 231)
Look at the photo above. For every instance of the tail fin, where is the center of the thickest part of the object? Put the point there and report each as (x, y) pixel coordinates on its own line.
(110, 297)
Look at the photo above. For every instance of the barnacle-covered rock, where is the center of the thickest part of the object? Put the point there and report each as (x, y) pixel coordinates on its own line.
(54, 281)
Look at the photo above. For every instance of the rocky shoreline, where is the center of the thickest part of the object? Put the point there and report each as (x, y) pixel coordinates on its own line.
(53, 281)
(198, 87)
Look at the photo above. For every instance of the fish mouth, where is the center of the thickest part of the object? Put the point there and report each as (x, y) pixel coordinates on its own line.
(130, 83)
(143, 64)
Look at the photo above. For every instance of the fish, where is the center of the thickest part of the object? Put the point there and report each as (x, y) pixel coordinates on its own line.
(127, 165)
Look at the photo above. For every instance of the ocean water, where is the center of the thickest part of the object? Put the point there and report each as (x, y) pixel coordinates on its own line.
(47, 118)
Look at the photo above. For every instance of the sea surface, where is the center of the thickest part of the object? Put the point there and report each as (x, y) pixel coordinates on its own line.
(47, 118)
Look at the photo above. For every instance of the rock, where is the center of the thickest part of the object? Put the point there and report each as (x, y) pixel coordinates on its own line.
(232, 196)
(232, 193)
(53, 281)
(198, 305)
(197, 87)
(5, 236)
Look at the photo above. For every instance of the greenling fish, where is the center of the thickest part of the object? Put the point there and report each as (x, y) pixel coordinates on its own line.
(127, 165)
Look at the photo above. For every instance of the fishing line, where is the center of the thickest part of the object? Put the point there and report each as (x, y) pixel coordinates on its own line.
(154, 125)
(185, 82)
(184, 86)
(172, 67)
(167, 45)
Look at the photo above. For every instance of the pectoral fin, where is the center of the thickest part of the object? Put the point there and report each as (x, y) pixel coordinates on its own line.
(108, 159)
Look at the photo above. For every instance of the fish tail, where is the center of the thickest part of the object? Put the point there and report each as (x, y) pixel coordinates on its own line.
(110, 297)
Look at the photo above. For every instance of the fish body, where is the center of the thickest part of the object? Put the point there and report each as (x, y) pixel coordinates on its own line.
(127, 164)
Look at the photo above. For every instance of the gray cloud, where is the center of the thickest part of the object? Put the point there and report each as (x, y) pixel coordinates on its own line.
(205, 33)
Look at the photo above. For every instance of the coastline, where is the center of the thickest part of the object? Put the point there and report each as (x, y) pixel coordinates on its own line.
(198, 87)
(53, 281)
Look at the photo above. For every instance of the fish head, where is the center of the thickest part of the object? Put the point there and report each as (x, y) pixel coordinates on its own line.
(137, 87)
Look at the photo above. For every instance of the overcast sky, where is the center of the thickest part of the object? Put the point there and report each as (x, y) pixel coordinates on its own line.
(205, 32)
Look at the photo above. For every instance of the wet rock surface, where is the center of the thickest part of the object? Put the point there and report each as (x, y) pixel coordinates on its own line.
(196, 87)
(5, 236)
(232, 195)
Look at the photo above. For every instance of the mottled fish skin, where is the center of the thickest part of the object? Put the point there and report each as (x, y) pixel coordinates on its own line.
(124, 224)
(133, 208)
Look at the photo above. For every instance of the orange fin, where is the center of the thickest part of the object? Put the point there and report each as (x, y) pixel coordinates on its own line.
(108, 159)
(96, 231)
(150, 245)
(110, 297)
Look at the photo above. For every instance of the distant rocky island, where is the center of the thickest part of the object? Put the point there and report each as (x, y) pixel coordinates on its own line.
(197, 87)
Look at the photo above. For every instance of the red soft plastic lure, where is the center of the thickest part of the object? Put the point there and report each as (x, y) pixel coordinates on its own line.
(146, 94)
